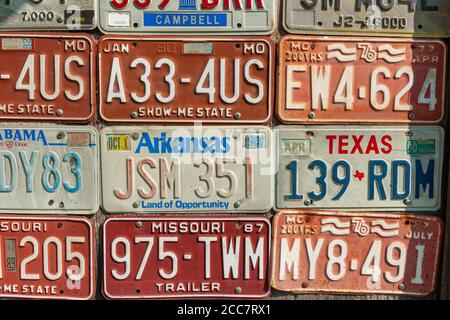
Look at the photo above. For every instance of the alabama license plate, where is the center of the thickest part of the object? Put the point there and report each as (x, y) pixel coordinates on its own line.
(153, 79)
(49, 169)
(424, 18)
(370, 80)
(47, 77)
(362, 168)
(188, 169)
(48, 14)
(46, 258)
(182, 257)
(189, 16)
(355, 253)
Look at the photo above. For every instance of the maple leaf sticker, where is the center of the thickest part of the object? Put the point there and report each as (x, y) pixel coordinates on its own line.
(359, 175)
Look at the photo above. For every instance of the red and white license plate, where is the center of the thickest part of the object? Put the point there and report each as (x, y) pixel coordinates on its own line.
(356, 80)
(355, 253)
(181, 257)
(46, 258)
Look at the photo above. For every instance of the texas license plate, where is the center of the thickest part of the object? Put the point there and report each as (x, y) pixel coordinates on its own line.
(360, 168)
(355, 253)
(361, 80)
(48, 169)
(46, 258)
(425, 18)
(182, 257)
(48, 14)
(188, 16)
(47, 77)
(153, 79)
(197, 169)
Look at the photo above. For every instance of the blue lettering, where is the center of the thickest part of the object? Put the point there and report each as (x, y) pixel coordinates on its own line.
(424, 179)
(376, 180)
(396, 165)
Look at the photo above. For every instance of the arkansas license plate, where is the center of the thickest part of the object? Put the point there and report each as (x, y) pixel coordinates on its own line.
(182, 257)
(47, 77)
(361, 80)
(209, 169)
(48, 14)
(362, 168)
(46, 258)
(48, 169)
(153, 79)
(188, 16)
(355, 253)
(425, 18)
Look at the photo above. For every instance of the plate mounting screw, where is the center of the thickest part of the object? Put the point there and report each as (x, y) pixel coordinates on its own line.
(138, 224)
(237, 204)
(307, 202)
(135, 205)
(304, 285)
(238, 290)
(237, 115)
(311, 115)
(411, 116)
(135, 136)
(401, 286)
(407, 202)
(60, 135)
(59, 112)
(60, 20)
(134, 115)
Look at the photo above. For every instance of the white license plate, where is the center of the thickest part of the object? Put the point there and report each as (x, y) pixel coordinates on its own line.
(188, 16)
(359, 168)
(48, 14)
(48, 169)
(189, 169)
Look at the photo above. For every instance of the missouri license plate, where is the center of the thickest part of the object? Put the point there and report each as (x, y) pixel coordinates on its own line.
(197, 169)
(422, 18)
(48, 14)
(153, 79)
(361, 80)
(46, 258)
(48, 169)
(182, 257)
(47, 77)
(362, 168)
(355, 253)
(189, 16)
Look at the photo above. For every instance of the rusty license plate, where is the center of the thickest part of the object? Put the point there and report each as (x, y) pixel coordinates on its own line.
(355, 253)
(226, 80)
(46, 257)
(356, 80)
(47, 77)
(181, 257)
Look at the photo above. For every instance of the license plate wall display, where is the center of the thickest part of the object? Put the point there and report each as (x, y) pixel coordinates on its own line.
(153, 79)
(189, 16)
(397, 18)
(361, 80)
(336, 252)
(49, 169)
(48, 14)
(47, 76)
(186, 257)
(360, 168)
(187, 169)
(47, 258)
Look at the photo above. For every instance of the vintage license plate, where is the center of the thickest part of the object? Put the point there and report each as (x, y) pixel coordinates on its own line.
(48, 14)
(46, 258)
(189, 16)
(355, 253)
(425, 18)
(369, 80)
(362, 168)
(47, 77)
(49, 169)
(188, 169)
(153, 79)
(182, 257)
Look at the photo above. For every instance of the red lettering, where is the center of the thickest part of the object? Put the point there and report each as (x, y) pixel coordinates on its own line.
(142, 3)
(237, 4)
(259, 4)
(357, 147)
(343, 142)
(119, 4)
(372, 146)
(330, 143)
(209, 4)
(163, 4)
(386, 141)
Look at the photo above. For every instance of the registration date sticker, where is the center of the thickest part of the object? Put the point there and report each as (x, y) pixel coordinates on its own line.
(337, 252)
(185, 257)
